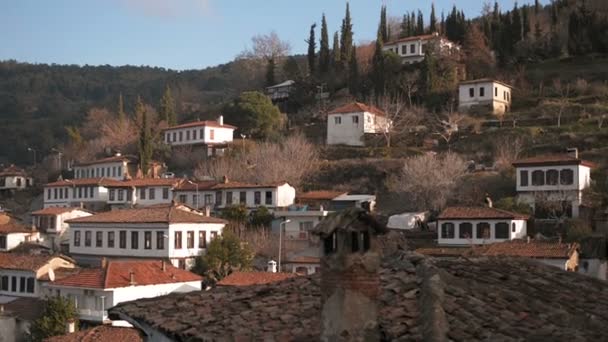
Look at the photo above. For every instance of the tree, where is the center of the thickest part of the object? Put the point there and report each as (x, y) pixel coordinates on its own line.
(266, 47)
(261, 218)
(433, 20)
(447, 125)
(561, 102)
(353, 73)
(383, 24)
(346, 38)
(420, 23)
(336, 51)
(56, 313)
(405, 27)
(291, 69)
(121, 109)
(270, 68)
(312, 50)
(324, 53)
(525, 18)
(536, 7)
(401, 118)
(428, 181)
(167, 108)
(225, 254)
(254, 114)
(517, 27)
(378, 64)
(145, 136)
(479, 58)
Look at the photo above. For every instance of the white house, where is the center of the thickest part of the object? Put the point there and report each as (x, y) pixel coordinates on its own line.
(117, 167)
(14, 178)
(298, 222)
(143, 191)
(170, 231)
(280, 92)
(94, 290)
(413, 49)
(362, 201)
(485, 92)
(479, 225)
(13, 232)
(348, 124)
(21, 274)
(214, 135)
(555, 182)
(51, 223)
(90, 193)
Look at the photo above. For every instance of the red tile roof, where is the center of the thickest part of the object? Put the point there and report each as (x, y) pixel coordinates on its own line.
(117, 275)
(411, 39)
(57, 210)
(13, 171)
(484, 80)
(101, 333)
(26, 309)
(550, 160)
(9, 224)
(209, 123)
(319, 195)
(141, 182)
(112, 159)
(513, 248)
(304, 259)
(163, 213)
(202, 185)
(240, 185)
(85, 182)
(26, 262)
(357, 107)
(479, 213)
(253, 278)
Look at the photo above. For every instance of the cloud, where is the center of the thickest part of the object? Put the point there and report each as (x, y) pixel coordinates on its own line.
(170, 9)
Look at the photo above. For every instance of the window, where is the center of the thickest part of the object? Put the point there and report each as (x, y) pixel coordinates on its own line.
(160, 240)
(211, 134)
(165, 193)
(257, 198)
(142, 193)
(268, 197)
(134, 240)
(504, 95)
(501, 230)
(181, 136)
(55, 193)
(77, 238)
(4, 283)
(195, 200)
(193, 134)
(168, 137)
(337, 120)
(187, 135)
(218, 198)
(87, 238)
(552, 177)
(213, 235)
(174, 136)
(79, 192)
(14, 284)
(98, 239)
(412, 48)
(208, 199)
(103, 172)
(447, 230)
(122, 239)
(3, 242)
(523, 178)
(471, 92)
(66, 192)
(465, 230)
(178, 240)
(422, 49)
(538, 178)
(152, 194)
(202, 239)
(110, 239)
(404, 49)
(48, 194)
(183, 198)
(483, 230)
(112, 194)
(566, 177)
(496, 91)
(242, 197)
(513, 227)
(482, 92)
(30, 285)
(181, 263)
(113, 171)
(355, 119)
(119, 171)
(190, 239)
(228, 197)
(201, 133)
(147, 240)
(22, 284)
(121, 195)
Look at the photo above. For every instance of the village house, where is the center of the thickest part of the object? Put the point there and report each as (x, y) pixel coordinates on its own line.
(14, 178)
(51, 223)
(214, 136)
(88, 193)
(318, 198)
(553, 185)
(298, 221)
(117, 167)
(142, 192)
(479, 225)
(348, 124)
(413, 49)
(302, 264)
(169, 231)
(13, 232)
(280, 92)
(484, 93)
(100, 333)
(17, 316)
(94, 290)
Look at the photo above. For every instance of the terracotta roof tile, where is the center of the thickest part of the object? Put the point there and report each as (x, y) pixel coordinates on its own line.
(99, 334)
(357, 107)
(112, 159)
(141, 182)
(253, 278)
(513, 248)
(84, 182)
(479, 213)
(319, 195)
(164, 213)
(484, 80)
(57, 210)
(9, 224)
(26, 262)
(208, 123)
(241, 185)
(26, 309)
(202, 185)
(13, 171)
(304, 259)
(411, 39)
(549, 160)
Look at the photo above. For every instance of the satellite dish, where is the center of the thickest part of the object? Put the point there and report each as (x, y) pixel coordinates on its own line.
(51, 275)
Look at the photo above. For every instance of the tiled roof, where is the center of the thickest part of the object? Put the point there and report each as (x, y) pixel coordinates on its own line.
(112, 159)
(484, 299)
(485, 80)
(167, 213)
(241, 185)
(25, 262)
(513, 248)
(141, 182)
(99, 334)
(117, 275)
(9, 224)
(85, 182)
(12, 171)
(253, 278)
(304, 259)
(25, 309)
(202, 185)
(57, 210)
(319, 195)
(411, 39)
(550, 160)
(472, 213)
(208, 123)
(357, 107)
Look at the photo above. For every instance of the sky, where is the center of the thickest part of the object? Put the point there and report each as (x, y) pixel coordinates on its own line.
(182, 34)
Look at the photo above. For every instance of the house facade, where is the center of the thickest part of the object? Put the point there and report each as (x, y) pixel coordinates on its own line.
(479, 225)
(280, 92)
(347, 125)
(212, 135)
(142, 192)
(485, 92)
(22, 275)
(117, 167)
(170, 232)
(51, 223)
(14, 178)
(89, 193)
(13, 232)
(94, 290)
(553, 185)
(413, 49)
(298, 222)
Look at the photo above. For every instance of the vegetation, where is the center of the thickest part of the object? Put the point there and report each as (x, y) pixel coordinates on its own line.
(254, 114)
(225, 254)
(56, 313)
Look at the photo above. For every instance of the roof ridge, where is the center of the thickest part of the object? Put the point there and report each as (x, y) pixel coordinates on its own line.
(432, 295)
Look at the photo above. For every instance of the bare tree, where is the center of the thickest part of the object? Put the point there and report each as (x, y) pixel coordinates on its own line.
(556, 205)
(447, 125)
(409, 83)
(266, 47)
(428, 181)
(561, 101)
(507, 149)
(401, 119)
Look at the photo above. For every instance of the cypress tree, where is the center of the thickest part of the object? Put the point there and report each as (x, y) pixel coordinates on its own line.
(433, 20)
(346, 42)
(413, 24)
(536, 7)
(167, 108)
(336, 51)
(525, 18)
(312, 50)
(383, 24)
(516, 28)
(404, 32)
(378, 64)
(324, 47)
(270, 79)
(442, 23)
(121, 109)
(145, 136)
(420, 23)
(353, 73)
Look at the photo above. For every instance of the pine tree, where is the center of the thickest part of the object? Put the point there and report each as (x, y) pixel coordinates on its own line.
(346, 42)
(145, 136)
(324, 54)
(525, 18)
(312, 50)
(336, 51)
(405, 27)
(383, 24)
(167, 108)
(121, 109)
(270, 79)
(420, 23)
(353, 73)
(516, 22)
(433, 20)
(496, 12)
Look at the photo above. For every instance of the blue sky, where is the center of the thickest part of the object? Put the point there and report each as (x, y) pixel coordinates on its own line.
(180, 34)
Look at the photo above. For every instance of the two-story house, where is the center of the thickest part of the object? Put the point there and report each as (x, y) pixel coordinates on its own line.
(485, 92)
(89, 193)
(13, 232)
(168, 231)
(348, 124)
(281, 91)
(142, 192)
(94, 290)
(553, 185)
(413, 49)
(51, 223)
(117, 167)
(14, 178)
(214, 136)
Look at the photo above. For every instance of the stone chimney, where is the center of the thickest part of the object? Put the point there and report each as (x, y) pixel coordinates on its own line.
(350, 283)
(272, 266)
(117, 154)
(220, 120)
(70, 326)
(104, 263)
(573, 152)
(163, 265)
(132, 278)
(488, 201)
(208, 211)
(225, 179)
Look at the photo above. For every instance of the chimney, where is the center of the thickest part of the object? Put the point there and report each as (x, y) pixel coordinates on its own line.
(1, 309)
(350, 284)
(225, 179)
(117, 154)
(573, 152)
(208, 211)
(272, 266)
(220, 120)
(528, 239)
(104, 263)
(70, 326)
(163, 265)
(132, 278)
(488, 201)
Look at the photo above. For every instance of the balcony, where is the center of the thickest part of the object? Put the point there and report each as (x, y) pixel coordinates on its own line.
(93, 315)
